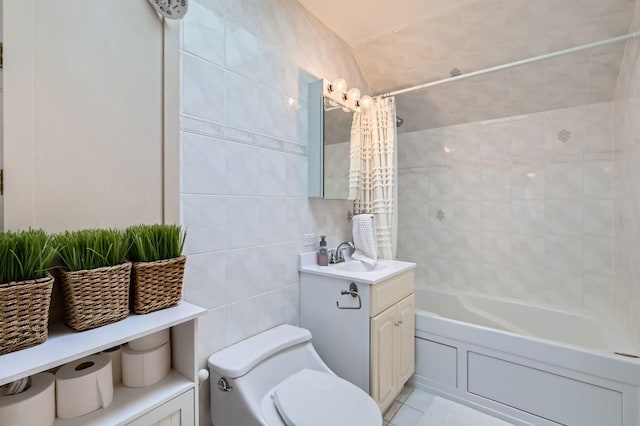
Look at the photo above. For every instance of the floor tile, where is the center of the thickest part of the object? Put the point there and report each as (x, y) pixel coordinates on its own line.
(424, 409)
(419, 399)
(407, 416)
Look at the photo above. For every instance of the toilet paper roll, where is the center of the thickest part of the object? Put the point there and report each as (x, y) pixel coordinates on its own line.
(115, 354)
(142, 369)
(151, 341)
(36, 406)
(83, 386)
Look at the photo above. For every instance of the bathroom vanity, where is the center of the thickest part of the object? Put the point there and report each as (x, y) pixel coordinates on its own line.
(172, 401)
(362, 322)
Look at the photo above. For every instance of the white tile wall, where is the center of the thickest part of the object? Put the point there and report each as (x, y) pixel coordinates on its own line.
(523, 214)
(627, 204)
(246, 67)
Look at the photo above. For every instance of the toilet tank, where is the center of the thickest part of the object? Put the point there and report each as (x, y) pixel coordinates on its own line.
(253, 367)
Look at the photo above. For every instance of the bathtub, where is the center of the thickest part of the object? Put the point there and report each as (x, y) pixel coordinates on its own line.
(529, 365)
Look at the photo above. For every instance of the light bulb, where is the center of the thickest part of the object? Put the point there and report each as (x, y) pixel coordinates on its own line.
(339, 85)
(365, 102)
(354, 94)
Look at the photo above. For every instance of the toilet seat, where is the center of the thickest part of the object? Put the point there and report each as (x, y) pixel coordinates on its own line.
(314, 398)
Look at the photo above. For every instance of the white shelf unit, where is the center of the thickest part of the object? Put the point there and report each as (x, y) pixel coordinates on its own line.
(65, 345)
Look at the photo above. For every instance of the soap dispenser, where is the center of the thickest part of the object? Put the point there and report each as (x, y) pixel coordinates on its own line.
(323, 255)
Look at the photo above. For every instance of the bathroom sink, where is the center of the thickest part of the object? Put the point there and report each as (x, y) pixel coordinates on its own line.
(357, 266)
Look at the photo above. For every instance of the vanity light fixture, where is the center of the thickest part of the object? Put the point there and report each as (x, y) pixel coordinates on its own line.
(340, 85)
(365, 102)
(349, 100)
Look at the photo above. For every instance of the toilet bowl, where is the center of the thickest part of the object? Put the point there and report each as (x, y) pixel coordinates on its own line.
(276, 378)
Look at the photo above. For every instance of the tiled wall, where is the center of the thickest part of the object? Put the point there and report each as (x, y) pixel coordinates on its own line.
(246, 66)
(520, 207)
(627, 166)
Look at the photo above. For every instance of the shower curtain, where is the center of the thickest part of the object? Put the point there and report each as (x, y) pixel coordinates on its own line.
(372, 170)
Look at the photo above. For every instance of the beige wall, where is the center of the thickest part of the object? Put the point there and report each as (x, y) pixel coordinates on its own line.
(84, 125)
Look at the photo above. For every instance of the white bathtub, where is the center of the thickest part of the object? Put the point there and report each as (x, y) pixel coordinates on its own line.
(530, 365)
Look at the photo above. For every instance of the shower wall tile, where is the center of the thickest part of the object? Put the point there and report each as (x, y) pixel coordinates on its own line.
(599, 217)
(496, 216)
(564, 288)
(441, 184)
(507, 209)
(564, 180)
(495, 247)
(495, 280)
(527, 216)
(467, 216)
(528, 284)
(626, 296)
(417, 183)
(527, 250)
(598, 179)
(564, 253)
(564, 217)
(599, 255)
(246, 66)
(496, 182)
(466, 185)
(599, 293)
(527, 182)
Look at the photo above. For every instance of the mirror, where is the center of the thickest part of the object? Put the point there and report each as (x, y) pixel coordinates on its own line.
(329, 146)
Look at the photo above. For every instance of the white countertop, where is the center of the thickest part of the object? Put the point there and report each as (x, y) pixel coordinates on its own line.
(307, 263)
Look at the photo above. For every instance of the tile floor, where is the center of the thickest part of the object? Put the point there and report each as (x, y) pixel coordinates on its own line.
(415, 407)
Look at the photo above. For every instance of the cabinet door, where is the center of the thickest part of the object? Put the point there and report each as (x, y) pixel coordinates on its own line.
(405, 338)
(383, 376)
(177, 412)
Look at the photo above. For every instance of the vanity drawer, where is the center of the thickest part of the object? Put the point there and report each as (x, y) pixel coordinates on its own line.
(389, 292)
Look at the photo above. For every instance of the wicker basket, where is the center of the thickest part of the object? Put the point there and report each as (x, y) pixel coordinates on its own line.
(157, 285)
(96, 297)
(24, 313)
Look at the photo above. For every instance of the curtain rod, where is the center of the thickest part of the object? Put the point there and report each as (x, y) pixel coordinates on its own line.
(512, 64)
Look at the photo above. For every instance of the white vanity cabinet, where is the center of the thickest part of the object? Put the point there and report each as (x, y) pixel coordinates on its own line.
(369, 342)
(171, 402)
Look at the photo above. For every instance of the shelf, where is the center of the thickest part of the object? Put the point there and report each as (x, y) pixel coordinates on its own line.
(65, 345)
(130, 403)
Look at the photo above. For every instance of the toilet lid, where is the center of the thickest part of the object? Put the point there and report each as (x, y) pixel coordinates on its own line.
(314, 398)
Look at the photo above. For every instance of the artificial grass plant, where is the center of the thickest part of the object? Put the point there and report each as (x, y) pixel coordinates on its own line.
(149, 243)
(91, 248)
(25, 255)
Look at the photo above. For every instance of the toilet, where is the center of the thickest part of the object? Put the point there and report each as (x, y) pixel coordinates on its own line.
(277, 378)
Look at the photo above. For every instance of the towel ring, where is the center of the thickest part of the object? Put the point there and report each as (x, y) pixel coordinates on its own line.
(353, 291)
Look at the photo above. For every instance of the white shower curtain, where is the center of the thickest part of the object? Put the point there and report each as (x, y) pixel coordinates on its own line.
(372, 170)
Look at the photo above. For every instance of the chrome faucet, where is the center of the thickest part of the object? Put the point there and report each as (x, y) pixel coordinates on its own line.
(339, 256)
